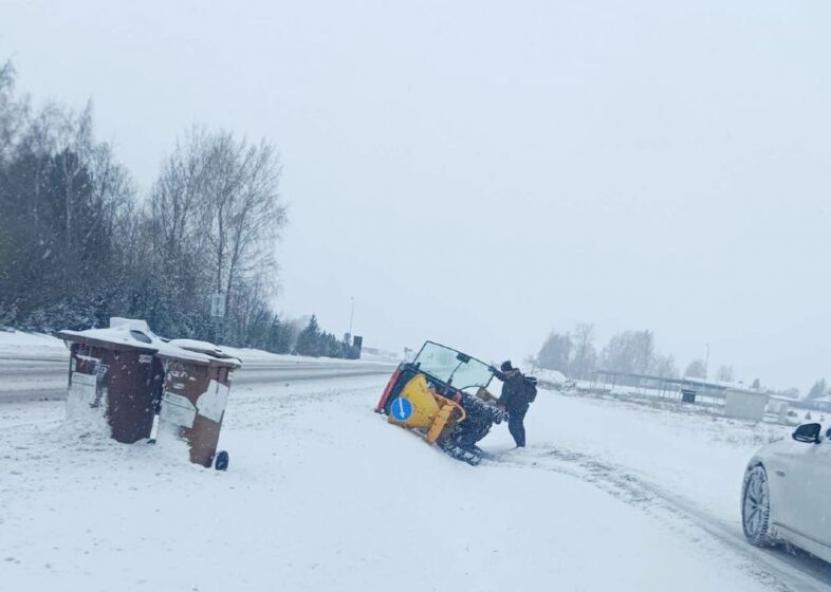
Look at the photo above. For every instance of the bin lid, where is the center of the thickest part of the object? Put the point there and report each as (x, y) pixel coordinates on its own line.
(121, 337)
(135, 335)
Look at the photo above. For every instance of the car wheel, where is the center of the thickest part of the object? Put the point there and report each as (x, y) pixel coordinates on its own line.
(756, 507)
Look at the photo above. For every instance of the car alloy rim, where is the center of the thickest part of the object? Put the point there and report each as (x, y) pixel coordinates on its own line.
(755, 503)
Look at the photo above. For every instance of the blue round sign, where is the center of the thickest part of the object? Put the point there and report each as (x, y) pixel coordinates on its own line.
(401, 409)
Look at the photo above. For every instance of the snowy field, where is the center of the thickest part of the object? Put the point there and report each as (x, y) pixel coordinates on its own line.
(322, 494)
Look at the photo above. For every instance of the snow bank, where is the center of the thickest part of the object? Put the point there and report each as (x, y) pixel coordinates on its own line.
(549, 378)
(19, 343)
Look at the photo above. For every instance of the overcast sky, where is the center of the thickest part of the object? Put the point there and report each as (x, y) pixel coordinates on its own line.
(481, 173)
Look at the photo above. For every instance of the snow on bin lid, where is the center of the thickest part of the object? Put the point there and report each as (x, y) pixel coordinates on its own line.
(135, 334)
(126, 335)
(203, 347)
(134, 324)
(209, 353)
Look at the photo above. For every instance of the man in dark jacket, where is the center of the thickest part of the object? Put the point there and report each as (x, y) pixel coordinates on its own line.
(515, 399)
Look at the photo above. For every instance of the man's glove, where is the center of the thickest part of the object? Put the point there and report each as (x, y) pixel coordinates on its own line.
(499, 415)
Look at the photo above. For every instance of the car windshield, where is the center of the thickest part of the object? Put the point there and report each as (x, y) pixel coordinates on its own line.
(453, 367)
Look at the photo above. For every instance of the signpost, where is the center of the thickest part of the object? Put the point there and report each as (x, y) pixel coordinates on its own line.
(218, 305)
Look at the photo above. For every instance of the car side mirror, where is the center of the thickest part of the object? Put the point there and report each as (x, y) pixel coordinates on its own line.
(808, 433)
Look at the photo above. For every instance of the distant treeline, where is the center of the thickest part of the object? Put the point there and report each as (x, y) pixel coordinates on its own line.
(575, 354)
(78, 245)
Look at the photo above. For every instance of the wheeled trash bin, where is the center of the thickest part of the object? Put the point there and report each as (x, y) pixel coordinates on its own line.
(114, 373)
(196, 387)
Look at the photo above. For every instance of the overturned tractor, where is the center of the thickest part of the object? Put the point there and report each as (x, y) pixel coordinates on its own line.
(442, 396)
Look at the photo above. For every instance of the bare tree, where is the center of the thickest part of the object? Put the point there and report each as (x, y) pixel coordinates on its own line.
(218, 213)
(179, 195)
(584, 357)
(243, 211)
(630, 351)
(664, 366)
(14, 112)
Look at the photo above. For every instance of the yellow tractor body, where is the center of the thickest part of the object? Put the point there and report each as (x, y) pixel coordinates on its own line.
(419, 407)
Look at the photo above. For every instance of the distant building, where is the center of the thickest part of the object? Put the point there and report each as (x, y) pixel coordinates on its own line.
(744, 404)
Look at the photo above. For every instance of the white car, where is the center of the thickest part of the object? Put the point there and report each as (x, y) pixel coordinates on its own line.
(785, 492)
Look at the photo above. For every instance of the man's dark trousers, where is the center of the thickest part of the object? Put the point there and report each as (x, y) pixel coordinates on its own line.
(515, 418)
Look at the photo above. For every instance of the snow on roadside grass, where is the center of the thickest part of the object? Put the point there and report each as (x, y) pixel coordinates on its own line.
(48, 348)
(321, 494)
(19, 343)
(700, 456)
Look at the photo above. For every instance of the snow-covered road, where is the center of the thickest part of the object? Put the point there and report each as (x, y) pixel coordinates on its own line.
(28, 377)
(322, 494)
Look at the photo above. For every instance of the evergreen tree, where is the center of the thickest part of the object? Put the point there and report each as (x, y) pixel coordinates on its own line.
(818, 390)
(555, 353)
(309, 340)
(273, 340)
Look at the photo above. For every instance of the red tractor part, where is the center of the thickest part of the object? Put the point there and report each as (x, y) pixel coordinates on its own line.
(382, 403)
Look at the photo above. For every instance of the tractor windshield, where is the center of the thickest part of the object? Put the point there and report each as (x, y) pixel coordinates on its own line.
(453, 367)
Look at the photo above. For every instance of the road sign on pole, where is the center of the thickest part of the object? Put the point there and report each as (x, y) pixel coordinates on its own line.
(218, 305)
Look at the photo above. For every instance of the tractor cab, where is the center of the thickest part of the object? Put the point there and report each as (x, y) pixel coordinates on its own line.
(442, 396)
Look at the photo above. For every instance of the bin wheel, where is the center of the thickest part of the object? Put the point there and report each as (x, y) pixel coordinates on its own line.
(221, 463)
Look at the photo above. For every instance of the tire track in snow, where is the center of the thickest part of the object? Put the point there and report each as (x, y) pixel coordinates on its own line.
(787, 572)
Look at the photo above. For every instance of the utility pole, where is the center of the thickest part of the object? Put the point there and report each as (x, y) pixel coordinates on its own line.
(707, 362)
(351, 315)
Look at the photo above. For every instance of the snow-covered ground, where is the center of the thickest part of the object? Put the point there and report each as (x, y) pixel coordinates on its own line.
(322, 494)
(19, 344)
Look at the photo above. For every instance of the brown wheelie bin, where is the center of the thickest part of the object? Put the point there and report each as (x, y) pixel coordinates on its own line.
(196, 388)
(114, 372)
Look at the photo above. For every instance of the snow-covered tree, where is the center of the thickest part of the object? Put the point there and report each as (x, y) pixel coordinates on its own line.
(696, 369)
(555, 353)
